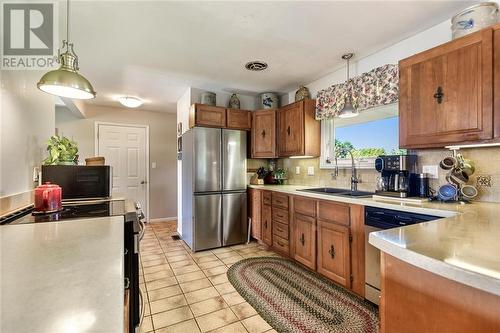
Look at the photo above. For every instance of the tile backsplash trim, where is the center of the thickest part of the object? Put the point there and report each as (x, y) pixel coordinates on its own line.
(487, 163)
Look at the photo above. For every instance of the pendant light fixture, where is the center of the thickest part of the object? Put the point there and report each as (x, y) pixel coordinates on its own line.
(348, 111)
(65, 81)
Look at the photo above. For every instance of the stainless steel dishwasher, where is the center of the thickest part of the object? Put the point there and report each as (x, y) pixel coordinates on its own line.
(377, 219)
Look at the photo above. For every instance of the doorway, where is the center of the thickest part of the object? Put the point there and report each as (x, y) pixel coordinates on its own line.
(126, 148)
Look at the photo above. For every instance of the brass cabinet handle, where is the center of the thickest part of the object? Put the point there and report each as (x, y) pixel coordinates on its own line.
(263, 133)
(302, 240)
(278, 215)
(332, 252)
(288, 130)
(265, 224)
(439, 95)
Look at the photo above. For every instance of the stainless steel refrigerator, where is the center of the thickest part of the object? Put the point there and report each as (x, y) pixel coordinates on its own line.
(214, 199)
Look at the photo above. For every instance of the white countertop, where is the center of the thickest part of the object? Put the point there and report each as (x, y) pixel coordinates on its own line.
(62, 276)
(463, 246)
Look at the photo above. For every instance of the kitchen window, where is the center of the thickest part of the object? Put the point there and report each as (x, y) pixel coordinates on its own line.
(372, 133)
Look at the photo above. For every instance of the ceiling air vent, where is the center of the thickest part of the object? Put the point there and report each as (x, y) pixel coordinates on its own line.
(256, 65)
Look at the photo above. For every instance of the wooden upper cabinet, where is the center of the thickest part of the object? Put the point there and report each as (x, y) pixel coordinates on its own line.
(334, 259)
(304, 239)
(446, 93)
(298, 130)
(207, 115)
(264, 134)
(239, 119)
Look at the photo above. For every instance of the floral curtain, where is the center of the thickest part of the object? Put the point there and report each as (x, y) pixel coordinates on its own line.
(375, 88)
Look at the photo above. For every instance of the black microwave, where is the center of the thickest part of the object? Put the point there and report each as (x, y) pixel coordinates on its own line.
(79, 181)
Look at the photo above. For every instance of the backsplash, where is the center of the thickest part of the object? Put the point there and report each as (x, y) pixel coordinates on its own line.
(487, 162)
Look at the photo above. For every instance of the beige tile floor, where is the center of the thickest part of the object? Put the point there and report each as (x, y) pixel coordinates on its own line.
(189, 292)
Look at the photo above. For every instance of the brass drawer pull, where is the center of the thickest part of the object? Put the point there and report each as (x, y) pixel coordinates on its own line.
(280, 244)
(263, 133)
(288, 130)
(265, 224)
(280, 216)
(332, 252)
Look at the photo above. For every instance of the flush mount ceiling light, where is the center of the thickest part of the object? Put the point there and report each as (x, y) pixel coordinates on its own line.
(130, 102)
(348, 111)
(65, 81)
(256, 65)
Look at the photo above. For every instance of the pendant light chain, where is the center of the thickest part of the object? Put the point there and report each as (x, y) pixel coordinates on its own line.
(67, 21)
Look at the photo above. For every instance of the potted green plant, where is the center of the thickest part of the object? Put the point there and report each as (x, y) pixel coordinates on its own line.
(62, 151)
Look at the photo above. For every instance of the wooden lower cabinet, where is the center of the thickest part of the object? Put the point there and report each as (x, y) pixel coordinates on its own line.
(267, 227)
(334, 255)
(255, 209)
(415, 300)
(304, 234)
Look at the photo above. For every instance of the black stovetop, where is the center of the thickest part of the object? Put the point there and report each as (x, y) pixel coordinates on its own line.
(72, 211)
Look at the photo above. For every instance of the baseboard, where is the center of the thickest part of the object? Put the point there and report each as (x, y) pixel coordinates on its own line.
(163, 219)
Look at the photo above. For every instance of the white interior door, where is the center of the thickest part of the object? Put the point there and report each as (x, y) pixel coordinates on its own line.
(125, 149)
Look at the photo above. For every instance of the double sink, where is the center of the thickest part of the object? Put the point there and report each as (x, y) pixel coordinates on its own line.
(339, 192)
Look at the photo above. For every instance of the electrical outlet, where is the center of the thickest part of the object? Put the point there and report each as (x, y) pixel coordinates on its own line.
(431, 171)
(483, 181)
(297, 170)
(310, 171)
(153, 165)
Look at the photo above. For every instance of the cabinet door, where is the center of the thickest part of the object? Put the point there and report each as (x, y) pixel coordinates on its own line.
(291, 129)
(264, 134)
(255, 210)
(267, 228)
(305, 240)
(238, 119)
(446, 93)
(333, 252)
(211, 116)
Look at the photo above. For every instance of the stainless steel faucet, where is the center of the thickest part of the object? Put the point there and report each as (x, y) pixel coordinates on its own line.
(354, 176)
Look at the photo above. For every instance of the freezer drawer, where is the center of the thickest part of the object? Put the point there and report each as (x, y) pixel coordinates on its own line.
(234, 218)
(207, 159)
(234, 156)
(207, 221)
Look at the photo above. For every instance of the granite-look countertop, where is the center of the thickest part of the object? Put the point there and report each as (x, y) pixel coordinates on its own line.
(463, 246)
(62, 276)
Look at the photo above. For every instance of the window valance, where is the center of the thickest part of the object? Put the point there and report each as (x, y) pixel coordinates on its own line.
(377, 87)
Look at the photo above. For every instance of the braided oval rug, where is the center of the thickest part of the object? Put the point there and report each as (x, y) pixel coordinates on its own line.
(293, 299)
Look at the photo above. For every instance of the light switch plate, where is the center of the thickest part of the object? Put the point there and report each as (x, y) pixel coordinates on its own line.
(153, 165)
(310, 171)
(297, 170)
(431, 171)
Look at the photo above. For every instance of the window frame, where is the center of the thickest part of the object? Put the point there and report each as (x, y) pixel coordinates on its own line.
(327, 150)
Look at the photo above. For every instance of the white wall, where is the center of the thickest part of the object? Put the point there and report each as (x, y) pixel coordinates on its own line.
(427, 39)
(26, 123)
(162, 147)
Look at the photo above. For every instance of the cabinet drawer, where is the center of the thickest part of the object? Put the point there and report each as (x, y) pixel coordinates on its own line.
(304, 206)
(280, 200)
(334, 212)
(280, 215)
(266, 197)
(281, 244)
(280, 230)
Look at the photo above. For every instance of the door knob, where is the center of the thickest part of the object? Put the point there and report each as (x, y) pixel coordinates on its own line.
(144, 182)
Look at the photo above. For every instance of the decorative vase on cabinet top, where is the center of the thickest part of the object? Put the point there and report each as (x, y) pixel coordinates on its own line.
(234, 102)
(208, 98)
(474, 18)
(302, 93)
(269, 101)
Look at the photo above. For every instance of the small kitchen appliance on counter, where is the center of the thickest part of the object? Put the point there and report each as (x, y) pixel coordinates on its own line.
(395, 171)
(47, 198)
(79, 182)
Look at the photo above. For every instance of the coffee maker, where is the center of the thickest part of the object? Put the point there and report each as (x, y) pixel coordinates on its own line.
(395, 171)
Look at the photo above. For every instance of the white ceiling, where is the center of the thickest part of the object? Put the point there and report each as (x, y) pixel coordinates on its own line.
(156, 49)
